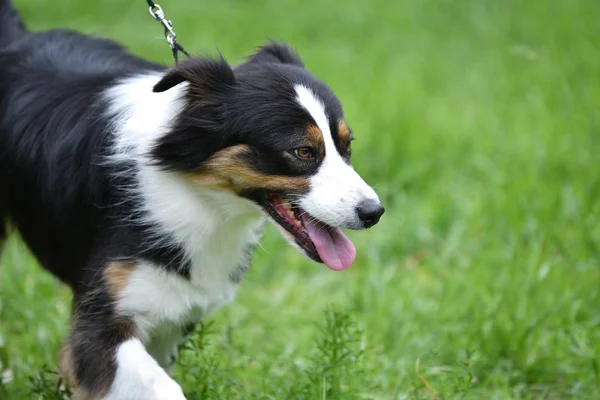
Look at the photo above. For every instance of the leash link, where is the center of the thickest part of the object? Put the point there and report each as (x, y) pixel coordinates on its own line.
(158, 14)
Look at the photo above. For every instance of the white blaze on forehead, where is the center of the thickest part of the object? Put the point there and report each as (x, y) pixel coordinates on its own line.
(315, 108)
(336, 189)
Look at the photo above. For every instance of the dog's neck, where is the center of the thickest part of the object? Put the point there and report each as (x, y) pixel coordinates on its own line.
(214, 227)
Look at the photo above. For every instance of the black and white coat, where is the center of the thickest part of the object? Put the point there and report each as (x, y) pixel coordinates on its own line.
(145, 188)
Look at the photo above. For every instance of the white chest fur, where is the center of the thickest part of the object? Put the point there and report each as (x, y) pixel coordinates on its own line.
(215, 230)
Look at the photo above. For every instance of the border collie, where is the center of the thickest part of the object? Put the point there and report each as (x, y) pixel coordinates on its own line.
(145, 188)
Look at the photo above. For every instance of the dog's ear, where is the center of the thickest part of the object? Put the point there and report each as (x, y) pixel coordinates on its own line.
(277, 53)
(204, 75)
(201, 128)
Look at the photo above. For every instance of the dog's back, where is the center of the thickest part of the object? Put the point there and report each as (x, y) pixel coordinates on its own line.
(51, 176)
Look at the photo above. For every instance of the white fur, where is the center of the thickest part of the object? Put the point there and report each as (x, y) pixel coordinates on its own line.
(213, 227)
(139, 377)
(336, 189)
(154, 297)
(142, 116)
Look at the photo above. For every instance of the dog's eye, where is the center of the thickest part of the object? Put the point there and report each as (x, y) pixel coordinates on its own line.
(304, 153)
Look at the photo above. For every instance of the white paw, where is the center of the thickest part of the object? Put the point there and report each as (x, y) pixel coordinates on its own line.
(145, 384)
(165, 389)
(139, 377)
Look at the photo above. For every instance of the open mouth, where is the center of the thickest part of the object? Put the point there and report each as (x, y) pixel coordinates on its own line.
(320, 242)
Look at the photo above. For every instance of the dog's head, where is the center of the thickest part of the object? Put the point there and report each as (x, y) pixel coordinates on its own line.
(272, 133)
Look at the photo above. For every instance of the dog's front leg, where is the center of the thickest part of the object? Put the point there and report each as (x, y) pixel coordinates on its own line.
(103, 359)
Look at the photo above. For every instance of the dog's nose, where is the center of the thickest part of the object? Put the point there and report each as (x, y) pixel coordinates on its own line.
(369, 212)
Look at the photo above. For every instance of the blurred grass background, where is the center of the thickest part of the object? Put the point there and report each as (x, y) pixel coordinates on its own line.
(478, 123)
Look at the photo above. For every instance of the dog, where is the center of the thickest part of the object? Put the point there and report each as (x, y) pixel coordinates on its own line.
(145, 188)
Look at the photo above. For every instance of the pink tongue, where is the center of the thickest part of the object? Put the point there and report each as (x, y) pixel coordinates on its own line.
(334, 248)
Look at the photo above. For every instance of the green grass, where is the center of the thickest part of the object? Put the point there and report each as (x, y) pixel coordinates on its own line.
(478, 122)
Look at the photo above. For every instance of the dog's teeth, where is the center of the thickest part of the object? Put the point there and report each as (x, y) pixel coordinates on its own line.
(285, 203)
(291, 214)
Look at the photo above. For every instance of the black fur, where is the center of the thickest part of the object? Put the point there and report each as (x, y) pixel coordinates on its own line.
(96, 332)
(277, 53)
(11, 26)
(57, 190)
(201, 129)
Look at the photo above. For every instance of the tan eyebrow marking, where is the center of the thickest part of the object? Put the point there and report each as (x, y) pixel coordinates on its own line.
(344, 134)
(316, 140)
